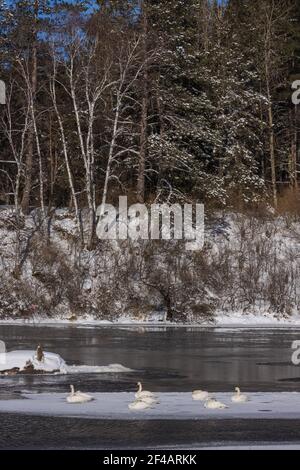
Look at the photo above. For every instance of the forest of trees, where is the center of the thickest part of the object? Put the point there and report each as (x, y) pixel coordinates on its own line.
(172, 99)
(159, 100)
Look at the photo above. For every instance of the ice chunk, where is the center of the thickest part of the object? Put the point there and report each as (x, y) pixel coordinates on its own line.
(18, 359)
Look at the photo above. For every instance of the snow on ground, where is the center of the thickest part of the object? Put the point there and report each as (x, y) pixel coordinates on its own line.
(251, 319)
(260, 252)
(53, 362)
(283, 405)
(234, 320)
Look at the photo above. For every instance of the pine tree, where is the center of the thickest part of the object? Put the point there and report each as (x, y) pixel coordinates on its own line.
(263, 30)
(211, 139)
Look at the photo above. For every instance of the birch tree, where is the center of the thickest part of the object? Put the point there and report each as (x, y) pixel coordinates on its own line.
(65, 150)
(15, 125)
(85, 89)
(129, 69)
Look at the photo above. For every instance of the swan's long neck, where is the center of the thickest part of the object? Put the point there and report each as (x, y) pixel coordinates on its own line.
(72, 390)
(140, 387)
(238, 391)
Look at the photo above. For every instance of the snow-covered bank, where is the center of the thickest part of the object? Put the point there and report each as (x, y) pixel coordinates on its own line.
(237, 319)
(171, 406)
(233, 320)
(248, 273)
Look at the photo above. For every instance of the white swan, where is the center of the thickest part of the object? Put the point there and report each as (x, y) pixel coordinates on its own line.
(143, 393)
(78, 397)
(213, 404)
(238, 397)
(149, 400)
(200, 395)
(139, 405)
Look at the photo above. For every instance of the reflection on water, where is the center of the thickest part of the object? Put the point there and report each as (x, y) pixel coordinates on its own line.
(166, 359)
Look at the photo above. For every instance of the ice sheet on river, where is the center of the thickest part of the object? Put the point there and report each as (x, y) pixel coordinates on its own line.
(281, 405)
(111, 368)
(53, 362)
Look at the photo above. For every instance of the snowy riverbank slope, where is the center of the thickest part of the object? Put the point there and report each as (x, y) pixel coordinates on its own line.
(248, 272)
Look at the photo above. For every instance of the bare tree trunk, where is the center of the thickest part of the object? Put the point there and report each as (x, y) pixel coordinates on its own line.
(294, 148)
(272, 149)
(275, 14)
(41, 176)
(144, 114)
(86, 159)
(170, 312)
(53, 165)
(267, 59)
(18, 152)
(66, 157)
(29, 157)
(161, 134)
(111, 150)
(203, 25)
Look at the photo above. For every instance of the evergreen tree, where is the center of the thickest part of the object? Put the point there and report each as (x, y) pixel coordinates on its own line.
(211, 139)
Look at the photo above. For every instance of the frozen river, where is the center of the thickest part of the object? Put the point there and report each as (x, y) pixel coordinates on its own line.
(170, 361)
